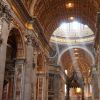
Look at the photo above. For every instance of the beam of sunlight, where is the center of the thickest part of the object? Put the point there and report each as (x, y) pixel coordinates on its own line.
(75, 64)
(76, 26)
(63, 26)
(76, 67)
(73, 55)
(57, 49)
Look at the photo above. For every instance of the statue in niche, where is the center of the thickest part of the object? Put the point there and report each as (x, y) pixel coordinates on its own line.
(18, 82)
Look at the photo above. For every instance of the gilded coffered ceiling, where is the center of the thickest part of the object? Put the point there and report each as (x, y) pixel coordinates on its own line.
(51, 13)
(77, 58)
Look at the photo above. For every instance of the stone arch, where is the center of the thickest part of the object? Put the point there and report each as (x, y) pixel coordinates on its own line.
(6, 29)
(14, 51)
(83, 48)
(20, 42)
(91, 56)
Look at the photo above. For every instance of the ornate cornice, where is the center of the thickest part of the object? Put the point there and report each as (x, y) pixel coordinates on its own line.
(26, 18)
(30, 39)
(5, 12)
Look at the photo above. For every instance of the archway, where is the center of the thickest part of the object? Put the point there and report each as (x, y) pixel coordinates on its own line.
(79, 60)
(15, 50)
(78, 47)
(73, 43)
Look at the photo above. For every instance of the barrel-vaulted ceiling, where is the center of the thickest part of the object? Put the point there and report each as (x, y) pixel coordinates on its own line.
(77, 58)
(51, 13)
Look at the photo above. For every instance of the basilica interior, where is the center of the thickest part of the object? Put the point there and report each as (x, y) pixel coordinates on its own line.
(49, 49)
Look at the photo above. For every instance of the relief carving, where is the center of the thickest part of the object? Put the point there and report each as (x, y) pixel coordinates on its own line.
(5, 12)
(18, 79)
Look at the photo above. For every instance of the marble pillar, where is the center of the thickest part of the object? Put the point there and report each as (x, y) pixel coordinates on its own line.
(98, 48)
(45, 87)
(3, 46)
(45, 79)
(34, 77)
(95, 89)
(28, 69)
(83, 96)
(56, 87)
(41, 86)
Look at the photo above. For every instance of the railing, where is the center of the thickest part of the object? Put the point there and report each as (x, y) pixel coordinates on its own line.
(72, 40)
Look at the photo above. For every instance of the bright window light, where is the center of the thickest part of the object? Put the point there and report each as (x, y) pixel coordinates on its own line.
(76, 53)
(78, 90)
(72, 32)
(69, 5)
(71, 18)
(63, 26)
(76, 25)
(75, 49)
(66, 72)
(86, 26)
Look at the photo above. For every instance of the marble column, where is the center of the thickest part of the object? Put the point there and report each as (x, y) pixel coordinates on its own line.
(45, 79)
(3, 46)
(95, 89)
(83, 97)
(41, 86)
(34, 76)
(45, 87)
(28, 69)
(62, 89)
(56, 87)
(97, 43)
(68, 93)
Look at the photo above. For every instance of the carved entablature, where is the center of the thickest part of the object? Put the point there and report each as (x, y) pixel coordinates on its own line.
(5, 12)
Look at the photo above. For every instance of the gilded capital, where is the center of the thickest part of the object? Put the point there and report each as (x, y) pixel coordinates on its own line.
(5, 12)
